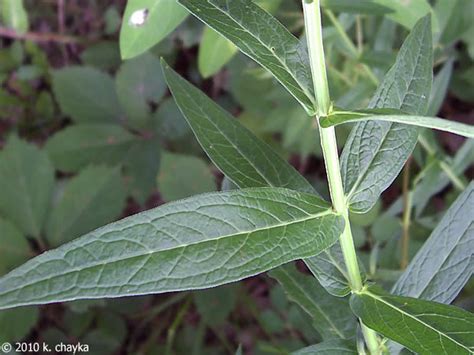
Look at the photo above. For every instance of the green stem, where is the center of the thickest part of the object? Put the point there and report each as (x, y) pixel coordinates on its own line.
(313, 25)
(457, 182)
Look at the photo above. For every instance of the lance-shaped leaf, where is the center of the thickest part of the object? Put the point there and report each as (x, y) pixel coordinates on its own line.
(200, 242)
(442, 124)
(424, 327)
(248, 162)
(330, 347)
(445, 262)
(264, 39)
(376, 151)
(331, 316)
(242, 157)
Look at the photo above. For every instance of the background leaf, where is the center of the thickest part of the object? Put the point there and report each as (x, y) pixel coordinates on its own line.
(184, 176)
(141, 168)
(162, 17)
(14, 15)
(140, 84)
(86, 94)
(330, 347)
(331, 316)
(215, 304)
(91, 199)
(370, 7)
(200, 242)
(406, 12)
(27, 178)
(17, 323)
(444, 264)
(215, 51)
(78, 146)
(14, 247)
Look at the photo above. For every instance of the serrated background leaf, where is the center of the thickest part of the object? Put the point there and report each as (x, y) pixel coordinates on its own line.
(184, 176)
(81, 145)
(91, 199)
(27, 178)
(86, 94)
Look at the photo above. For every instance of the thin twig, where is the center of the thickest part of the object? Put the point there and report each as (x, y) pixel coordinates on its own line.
(61, 28)
(38, 37)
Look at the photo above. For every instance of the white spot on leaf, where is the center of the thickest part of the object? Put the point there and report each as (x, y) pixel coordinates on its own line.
(138, 18)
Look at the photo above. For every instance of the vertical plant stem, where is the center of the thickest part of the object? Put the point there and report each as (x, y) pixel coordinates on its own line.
(406, 215)
(175, 325)
(313, 25)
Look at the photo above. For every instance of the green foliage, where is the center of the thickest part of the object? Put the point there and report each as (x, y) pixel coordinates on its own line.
(260, 36)
(214, 52)
(443, 265)
(81, 145)
(14, 246)
(244, 225)
(331, 316)
(136, 91)
(101, 139)
(14, 15)
(330, 347)
(17, 323)
(184, 176)
(222, 137)
(27, 176)
(147, 22)
(368, 170)
(422, 326)
(91, 199)
(87, 95)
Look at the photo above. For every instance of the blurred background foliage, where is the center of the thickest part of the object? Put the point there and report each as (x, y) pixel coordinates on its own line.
(88, 138)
